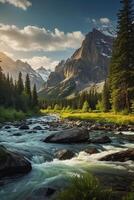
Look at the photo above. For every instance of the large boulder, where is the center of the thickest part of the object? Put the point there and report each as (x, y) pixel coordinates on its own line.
(122, 156)
(101, 140)
(74, 135)
(12, 163)
(64, 154)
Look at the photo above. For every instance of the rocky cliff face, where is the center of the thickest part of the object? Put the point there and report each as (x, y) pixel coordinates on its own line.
(87, 66)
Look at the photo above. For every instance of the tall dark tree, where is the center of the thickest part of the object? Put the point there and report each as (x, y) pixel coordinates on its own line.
(122, 59)
(28, 89)
(106, 97)
(34, 97)
(20, 86)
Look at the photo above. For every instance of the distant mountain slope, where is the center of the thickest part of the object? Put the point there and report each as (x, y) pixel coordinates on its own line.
(87, 67)
(14, 67)
(44, 73)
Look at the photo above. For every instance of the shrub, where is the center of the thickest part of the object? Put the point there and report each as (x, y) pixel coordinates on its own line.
(84, 187)
(10, 114)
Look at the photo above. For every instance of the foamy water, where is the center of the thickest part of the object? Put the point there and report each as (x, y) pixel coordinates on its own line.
(48, 171)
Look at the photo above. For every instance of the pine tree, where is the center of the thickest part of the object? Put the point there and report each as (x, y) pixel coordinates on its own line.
(20, 86)
(28, 89)
(121, 64)
(34, 97)
(106, 97)
(85, 107)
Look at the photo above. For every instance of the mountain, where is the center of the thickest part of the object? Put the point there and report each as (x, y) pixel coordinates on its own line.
(88, 67)
(44, 73)
(108, 30)
(14, 67)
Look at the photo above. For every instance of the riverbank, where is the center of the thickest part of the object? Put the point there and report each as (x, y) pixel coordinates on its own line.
(101, 117)
(107, 155)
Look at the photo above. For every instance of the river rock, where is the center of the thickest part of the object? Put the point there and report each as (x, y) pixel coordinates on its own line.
(17, 134)
(64, 154)
(74, 135)
(129, 138)
(101, 140)
(37, 128)
(24, 127)
(12, 163)
(122, 156)
(42, 194)
(91, 150)
(7, 127)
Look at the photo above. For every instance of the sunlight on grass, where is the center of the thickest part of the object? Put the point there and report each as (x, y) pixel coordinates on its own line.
(97, 117)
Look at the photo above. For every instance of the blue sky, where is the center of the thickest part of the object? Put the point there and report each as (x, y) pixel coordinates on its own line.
(44, 32)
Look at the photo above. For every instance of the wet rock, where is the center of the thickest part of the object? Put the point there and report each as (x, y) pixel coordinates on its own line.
(129, 138)
(32, 131)
(122, 128)
(24, 127)
(12, 164)
(64, 154)
(37, 128)
(17, 134)
(122, 156)
(101, 140)
(7, 127)
(74, 135)
(42, 194)
(91, 150)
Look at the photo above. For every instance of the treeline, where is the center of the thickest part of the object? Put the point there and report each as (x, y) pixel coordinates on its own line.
(17, 95)
(86, 101)
(118, 92)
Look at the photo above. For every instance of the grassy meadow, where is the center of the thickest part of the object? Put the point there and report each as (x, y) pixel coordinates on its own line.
(109, 117)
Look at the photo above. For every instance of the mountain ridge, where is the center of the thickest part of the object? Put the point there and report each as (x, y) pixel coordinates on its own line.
(88, 66)
(11, 67)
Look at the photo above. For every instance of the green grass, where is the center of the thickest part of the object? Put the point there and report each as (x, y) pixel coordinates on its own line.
(87, 187)
(84, 187)
(101, 117)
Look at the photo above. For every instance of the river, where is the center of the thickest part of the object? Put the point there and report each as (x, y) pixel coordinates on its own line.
(50, 172)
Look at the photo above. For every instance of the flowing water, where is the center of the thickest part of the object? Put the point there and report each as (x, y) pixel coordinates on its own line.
(50, 172)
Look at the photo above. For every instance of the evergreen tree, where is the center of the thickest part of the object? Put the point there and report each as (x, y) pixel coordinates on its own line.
(106, 97)
(85, 107)
(28, 89)
(122, 63)
(20, 86)
(34, 97)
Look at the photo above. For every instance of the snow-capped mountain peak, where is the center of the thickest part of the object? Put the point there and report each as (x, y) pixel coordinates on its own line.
(44, 73)
(108, 30)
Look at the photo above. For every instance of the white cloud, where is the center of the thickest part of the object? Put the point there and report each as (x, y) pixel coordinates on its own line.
(44, 61)
(104, 20)
(33, 38)
(23, 4)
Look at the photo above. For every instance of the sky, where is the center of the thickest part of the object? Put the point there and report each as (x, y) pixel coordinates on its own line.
(44, 32)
